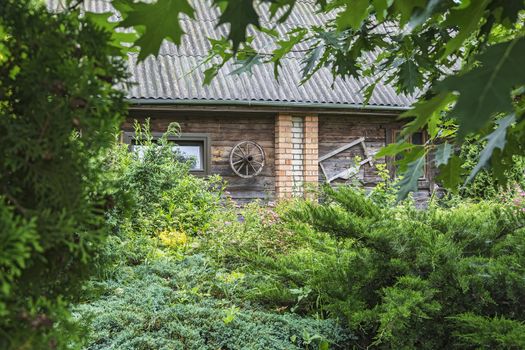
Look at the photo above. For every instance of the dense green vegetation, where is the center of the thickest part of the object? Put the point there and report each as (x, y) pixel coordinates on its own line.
(59, 114)
(174, 264)
(187, 269)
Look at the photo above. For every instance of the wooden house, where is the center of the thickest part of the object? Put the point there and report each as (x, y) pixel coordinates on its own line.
(297, 135)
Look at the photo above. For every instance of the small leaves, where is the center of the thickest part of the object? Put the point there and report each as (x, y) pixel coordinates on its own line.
(246, 65)
(211, 73)
(311, 62)
(285, 46)
(467, 19)
(408, 182)
(410, 77)
(405, 9)
(355, 13)
(450, 173)
(425, 110)
(381, 8)
(121, 41)
(420, 16)
(393, 149)
(443, 153)
(219, 48)
(276, 5)
(239, 14)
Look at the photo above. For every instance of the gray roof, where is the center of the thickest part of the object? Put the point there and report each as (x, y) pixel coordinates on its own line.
(176, 76)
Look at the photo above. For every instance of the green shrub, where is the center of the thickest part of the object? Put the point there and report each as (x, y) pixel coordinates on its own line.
(155, 191)
(179, 304)
(484, 185)
(397, 277)
(155, 290)
(424, 268)
(18, 238)
(354, 271)
(475, 332)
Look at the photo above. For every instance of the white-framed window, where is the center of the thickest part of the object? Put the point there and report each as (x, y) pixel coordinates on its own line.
(192, 147)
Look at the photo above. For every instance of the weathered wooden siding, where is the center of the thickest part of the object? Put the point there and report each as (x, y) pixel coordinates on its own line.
(225, 131)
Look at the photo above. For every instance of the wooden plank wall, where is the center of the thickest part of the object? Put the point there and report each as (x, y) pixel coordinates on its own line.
(225, 130)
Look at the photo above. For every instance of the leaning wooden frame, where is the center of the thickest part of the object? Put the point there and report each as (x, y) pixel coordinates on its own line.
(352, 171)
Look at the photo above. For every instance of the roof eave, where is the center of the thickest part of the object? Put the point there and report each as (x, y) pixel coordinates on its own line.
(328, 107)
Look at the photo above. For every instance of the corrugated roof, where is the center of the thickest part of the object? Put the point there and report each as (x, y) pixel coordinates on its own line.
(177, 76)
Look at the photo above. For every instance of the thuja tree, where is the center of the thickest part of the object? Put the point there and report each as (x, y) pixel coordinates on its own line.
(59, 111)
(462, 58)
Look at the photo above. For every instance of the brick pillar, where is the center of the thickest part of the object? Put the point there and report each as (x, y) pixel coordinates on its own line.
(283, 156)
(311, 151)
(296, 154)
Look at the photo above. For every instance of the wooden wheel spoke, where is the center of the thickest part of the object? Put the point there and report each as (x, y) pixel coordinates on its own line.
(252, 167)
(240, 167)
(242, 151)
(259, 164)
(237, 162)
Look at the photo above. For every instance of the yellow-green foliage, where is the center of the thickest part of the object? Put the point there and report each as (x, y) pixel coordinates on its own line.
(173, 239)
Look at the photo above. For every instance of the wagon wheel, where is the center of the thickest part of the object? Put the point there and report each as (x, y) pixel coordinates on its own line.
(247, 159)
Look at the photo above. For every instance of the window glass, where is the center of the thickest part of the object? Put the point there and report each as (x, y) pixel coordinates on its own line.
(417, 138)
(189, 151)
(192, 153)
(139, 149)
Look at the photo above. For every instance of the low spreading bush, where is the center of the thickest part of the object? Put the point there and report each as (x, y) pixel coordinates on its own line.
(182, 304)
(159, 288)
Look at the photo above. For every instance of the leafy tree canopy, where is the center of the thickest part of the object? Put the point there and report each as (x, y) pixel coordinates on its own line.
(461, 58)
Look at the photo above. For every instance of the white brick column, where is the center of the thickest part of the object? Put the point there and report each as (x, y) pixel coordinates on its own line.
(311, 151)
(297, 156)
